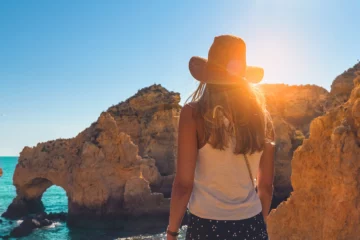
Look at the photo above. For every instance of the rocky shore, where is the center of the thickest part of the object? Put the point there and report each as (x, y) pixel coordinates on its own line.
(100, 169)
(31, 223)
(119, 171)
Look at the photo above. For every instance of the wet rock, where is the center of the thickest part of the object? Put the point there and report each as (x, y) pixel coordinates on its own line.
(45, 222)
(62, 216)
(38, 221)
(22, 207)
(25, 228)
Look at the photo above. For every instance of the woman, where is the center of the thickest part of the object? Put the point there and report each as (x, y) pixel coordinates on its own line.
(225, 140)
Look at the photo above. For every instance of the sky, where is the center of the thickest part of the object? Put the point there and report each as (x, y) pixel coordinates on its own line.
(64, 62)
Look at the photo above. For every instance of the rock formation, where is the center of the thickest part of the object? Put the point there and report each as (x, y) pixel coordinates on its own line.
(297, 105)
(31, 223)
(1, 172)
(341, 87)
(100, 169)
(122, 165)
(150, 118)
(325, 177)
(292, 108)
(127, 157)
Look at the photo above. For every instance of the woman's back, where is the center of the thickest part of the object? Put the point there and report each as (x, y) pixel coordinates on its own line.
(223, 189)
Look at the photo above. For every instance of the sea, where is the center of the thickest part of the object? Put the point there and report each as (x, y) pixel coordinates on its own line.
(55, 200)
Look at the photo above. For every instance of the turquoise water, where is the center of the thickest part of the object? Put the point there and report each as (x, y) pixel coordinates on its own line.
(55, 200)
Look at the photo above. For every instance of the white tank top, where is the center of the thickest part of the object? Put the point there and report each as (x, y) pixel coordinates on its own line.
(222, 186)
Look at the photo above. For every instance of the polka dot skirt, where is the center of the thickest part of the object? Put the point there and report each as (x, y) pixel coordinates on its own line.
(248, 229)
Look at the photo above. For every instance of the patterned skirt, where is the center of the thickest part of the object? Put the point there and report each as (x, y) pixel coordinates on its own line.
(247, 229)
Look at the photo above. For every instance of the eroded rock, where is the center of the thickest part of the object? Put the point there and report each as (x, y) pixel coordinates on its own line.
(150, 118)
(341, 87)
(95, 169)
(31, 223)
(325, 178)
(292, 109)
(25, 228)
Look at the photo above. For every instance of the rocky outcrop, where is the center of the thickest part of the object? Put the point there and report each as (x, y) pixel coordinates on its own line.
(122, 165)
(100, 170)
(341, 87)
(1, 172)
(150, 118)
(344, 83)
(29, 224)
(325, 178)
(297, 105)
(292, 108)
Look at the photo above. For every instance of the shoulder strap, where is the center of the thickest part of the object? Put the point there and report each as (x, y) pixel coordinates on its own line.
(249, 169)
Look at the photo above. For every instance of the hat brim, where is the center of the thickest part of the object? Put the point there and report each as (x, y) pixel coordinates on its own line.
(199, 70)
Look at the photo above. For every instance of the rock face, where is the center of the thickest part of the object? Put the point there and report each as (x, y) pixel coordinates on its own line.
(123, 164)
(101, 169)
(325, 178)
(342, 86)
(150, 118)
(297, 105)
(119, 168)
(292, 109)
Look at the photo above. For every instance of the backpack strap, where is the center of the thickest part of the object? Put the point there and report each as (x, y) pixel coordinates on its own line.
(249, 169)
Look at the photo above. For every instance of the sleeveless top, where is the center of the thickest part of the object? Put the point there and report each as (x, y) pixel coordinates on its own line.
(222, 187)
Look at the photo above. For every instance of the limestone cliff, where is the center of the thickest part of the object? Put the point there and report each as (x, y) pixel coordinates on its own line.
(341, 87)
(101, 172)
(292, 109)
(297, 105)
(120, 166)
(150, 118)
(325, 178)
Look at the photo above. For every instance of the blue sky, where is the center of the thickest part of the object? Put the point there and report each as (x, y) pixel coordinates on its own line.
(63, 62)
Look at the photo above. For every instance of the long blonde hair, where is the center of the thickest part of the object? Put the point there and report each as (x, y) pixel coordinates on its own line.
(233, 111)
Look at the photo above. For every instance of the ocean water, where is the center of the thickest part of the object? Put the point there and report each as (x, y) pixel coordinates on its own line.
(55, 200)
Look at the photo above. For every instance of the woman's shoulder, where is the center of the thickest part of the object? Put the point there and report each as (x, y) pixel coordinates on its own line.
(187, 118)
(190, 109)
(187, 110)
(192, 105)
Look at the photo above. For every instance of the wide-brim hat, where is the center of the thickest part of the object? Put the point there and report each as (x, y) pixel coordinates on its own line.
(226, 63)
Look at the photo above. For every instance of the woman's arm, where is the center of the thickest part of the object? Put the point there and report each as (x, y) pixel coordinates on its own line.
(186, 162)
(266, 177)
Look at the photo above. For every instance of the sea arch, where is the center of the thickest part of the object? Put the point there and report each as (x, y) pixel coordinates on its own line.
(29, 195)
